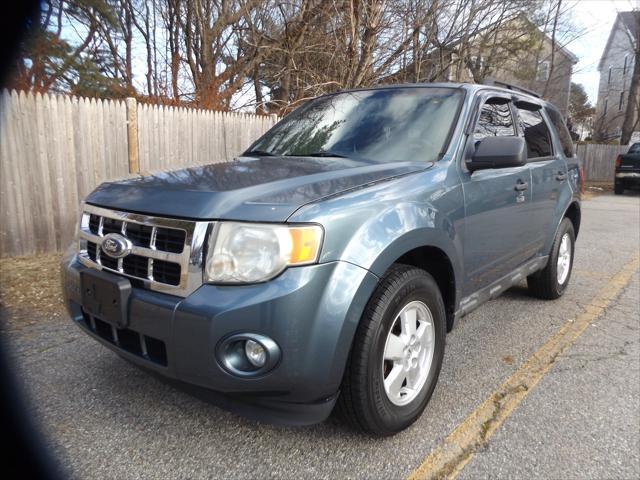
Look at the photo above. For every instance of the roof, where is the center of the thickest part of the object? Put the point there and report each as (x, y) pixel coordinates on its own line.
(560, 48)
(631, 22)
(470, 87)
(566, 51)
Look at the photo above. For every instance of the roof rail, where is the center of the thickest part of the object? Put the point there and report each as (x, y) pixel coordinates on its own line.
(499, 83)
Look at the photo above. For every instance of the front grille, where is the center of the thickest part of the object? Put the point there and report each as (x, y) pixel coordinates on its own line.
(166, 239)
(110, 225)
(169, 272)
(170, 240)
(109, 262)
(130, 341)
(141, 235)
(92, 251)
(94, 223)
(136, 266)
(164, 254)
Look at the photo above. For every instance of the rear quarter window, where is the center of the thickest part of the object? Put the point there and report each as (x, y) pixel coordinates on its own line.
(536, 133)
(563, 131)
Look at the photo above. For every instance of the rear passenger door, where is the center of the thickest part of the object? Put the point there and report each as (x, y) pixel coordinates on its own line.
(548, 169)
(497, 201)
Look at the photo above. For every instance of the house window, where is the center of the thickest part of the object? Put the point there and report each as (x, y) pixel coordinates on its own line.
(452, 70)
(606, 103)
(477, 62)
(621, 100)
(609, 77)
(543, 71)
(624, 67)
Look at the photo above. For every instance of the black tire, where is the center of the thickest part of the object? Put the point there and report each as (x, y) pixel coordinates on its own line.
(544, 284)
(618, 188)
(363, 401)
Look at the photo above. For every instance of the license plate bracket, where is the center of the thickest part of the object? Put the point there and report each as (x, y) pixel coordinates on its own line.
(106, 296)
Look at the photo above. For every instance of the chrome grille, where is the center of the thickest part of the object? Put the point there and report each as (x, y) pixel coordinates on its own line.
(166, 254)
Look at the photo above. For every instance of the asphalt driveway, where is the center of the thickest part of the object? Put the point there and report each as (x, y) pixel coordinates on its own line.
(104, 418)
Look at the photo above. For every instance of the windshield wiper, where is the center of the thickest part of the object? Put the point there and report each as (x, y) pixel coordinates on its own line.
(320, 153)
(258, 153)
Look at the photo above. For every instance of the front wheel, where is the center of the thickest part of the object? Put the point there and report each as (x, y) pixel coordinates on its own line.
(551, 282)
(396, 355)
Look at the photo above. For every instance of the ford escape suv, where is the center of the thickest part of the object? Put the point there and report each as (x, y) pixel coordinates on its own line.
(324, 266)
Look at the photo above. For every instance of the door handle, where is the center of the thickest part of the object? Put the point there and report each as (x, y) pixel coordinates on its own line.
(522, 186)
(561, 176)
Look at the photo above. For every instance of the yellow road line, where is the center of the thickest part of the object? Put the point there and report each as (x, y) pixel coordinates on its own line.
(448, 459)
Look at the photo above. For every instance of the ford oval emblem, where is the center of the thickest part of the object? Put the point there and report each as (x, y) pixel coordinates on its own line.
(116, 246)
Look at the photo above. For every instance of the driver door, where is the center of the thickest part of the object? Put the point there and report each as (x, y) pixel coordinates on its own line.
(497, 230)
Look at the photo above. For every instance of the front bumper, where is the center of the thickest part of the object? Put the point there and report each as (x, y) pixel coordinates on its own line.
(311, 312)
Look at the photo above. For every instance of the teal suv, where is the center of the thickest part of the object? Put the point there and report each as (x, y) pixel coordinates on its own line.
(323, 267)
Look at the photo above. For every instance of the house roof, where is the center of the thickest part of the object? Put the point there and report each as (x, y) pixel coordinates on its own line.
(630, 21)
(562, 49)
(519, 16)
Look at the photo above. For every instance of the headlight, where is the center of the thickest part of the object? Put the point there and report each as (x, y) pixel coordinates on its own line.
(252, 252)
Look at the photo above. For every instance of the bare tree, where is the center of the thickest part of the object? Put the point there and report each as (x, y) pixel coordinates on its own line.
(272, 55)
(46, 60)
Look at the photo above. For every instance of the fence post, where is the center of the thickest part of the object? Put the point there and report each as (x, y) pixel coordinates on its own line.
(587, 163)
(132, 134)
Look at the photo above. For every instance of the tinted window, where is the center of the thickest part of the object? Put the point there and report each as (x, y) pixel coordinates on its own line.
(536, 134)
(385, 125)
(563, 132)
(635, 148)
(495, 120)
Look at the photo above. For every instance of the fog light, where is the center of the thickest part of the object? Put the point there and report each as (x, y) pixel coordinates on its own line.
(256, 353)
(247, 354)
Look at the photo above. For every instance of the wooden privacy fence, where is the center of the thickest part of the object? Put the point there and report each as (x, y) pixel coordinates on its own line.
(599, 160)
(55, 149)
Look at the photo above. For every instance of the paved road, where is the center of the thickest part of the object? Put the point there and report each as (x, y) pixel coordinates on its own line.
(106, 419)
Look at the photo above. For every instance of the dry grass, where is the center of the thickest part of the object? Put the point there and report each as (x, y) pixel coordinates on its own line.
(593, 189)
(29, 283)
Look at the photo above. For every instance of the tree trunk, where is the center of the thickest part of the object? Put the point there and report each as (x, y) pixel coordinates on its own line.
(257, 88)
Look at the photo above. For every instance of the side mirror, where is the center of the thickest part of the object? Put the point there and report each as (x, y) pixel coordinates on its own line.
(498, 152)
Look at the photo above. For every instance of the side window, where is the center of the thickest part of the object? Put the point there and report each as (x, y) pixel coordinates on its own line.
(495, 120)
(536, 133)
(563, 132)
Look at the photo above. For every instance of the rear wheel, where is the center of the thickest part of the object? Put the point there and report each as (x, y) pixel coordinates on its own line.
(551, 282)
(618, 188)
(396, 355)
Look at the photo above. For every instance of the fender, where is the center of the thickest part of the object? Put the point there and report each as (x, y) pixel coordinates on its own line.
(374, 227)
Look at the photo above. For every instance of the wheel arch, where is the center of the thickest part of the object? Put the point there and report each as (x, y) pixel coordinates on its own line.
(436, 262)
(574, 214)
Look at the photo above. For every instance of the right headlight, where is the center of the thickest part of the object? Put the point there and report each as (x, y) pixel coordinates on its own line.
(256, 252)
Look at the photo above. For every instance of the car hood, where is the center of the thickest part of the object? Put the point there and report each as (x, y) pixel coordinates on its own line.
(265, 189)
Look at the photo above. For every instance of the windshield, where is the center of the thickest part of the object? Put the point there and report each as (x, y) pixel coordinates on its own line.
(387, 125)
(635, 148)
